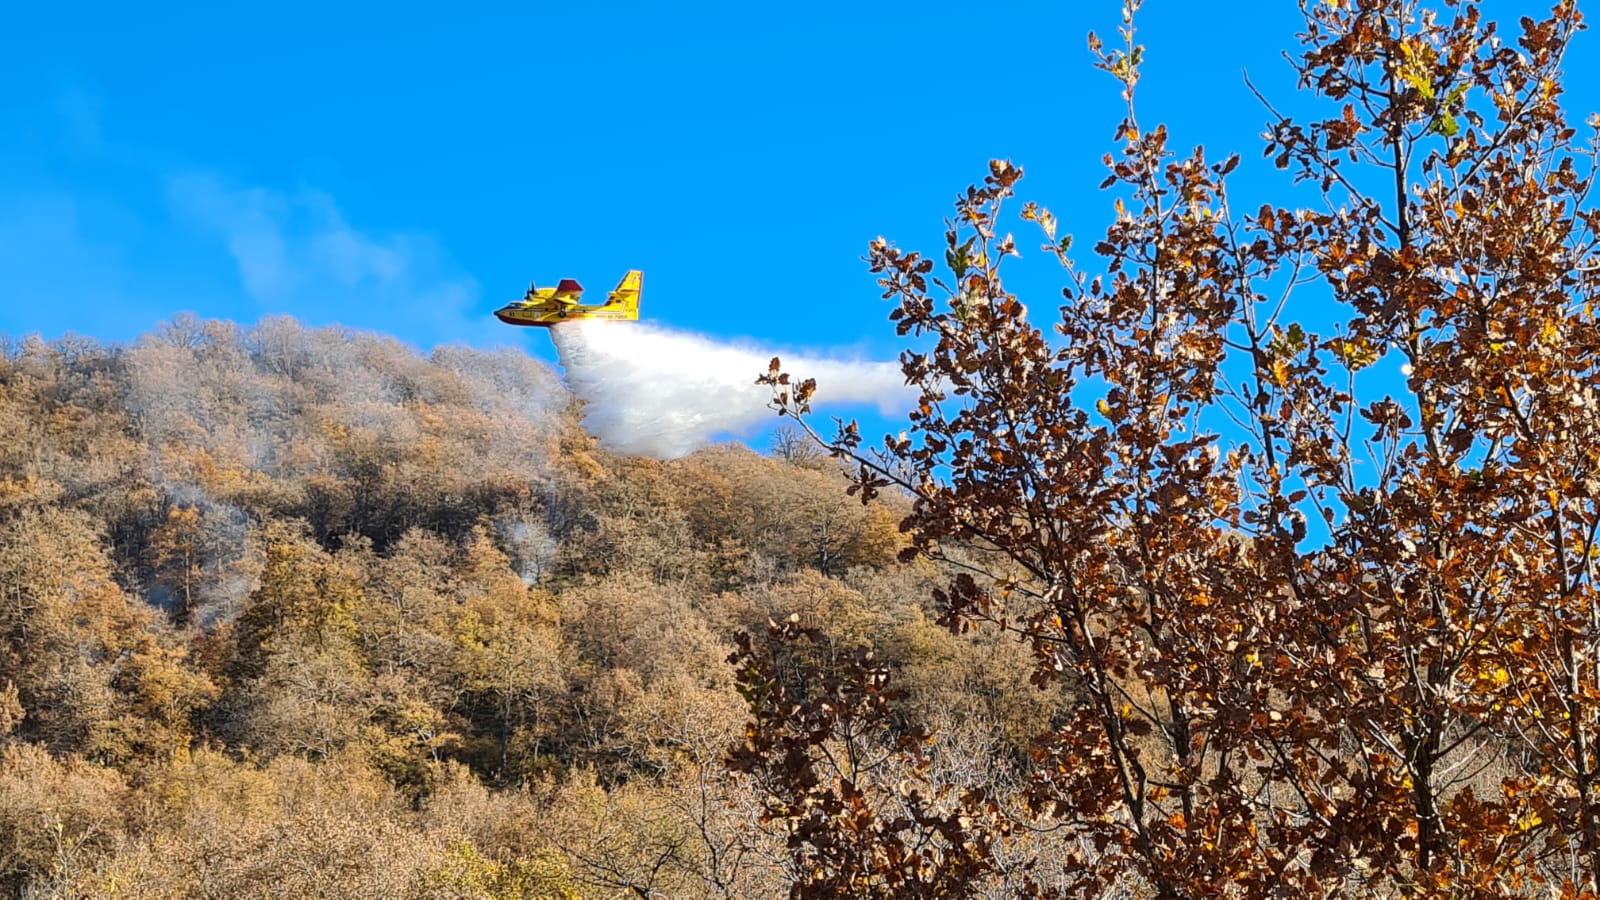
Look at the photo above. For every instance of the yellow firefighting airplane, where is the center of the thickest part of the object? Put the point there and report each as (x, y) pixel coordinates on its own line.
(546, 307)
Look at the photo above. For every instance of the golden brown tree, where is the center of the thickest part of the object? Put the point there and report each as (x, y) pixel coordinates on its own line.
(180, 548)
(1299, 505)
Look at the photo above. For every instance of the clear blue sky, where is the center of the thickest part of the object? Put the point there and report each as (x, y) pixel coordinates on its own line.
(403, 168)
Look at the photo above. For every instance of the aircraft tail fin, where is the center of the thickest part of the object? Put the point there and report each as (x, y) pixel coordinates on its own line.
(628, 291)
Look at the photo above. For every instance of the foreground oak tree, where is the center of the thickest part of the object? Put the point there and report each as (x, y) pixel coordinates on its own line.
(1300, 505)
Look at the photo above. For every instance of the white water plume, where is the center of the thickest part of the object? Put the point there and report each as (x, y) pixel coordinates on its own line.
(654, 392)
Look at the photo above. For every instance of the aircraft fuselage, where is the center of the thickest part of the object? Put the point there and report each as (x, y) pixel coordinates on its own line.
(548, 307)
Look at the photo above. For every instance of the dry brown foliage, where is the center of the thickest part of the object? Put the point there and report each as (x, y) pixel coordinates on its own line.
(1323, 590)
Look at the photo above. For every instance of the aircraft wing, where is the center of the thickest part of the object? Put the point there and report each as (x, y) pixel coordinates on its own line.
(569, 291)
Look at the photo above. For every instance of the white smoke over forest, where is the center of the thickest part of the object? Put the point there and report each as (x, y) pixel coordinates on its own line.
(654, 392)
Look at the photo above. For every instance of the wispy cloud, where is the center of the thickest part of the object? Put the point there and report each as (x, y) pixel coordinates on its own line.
(144, 232)
(296, 252)
(352, 257)
(252, 223)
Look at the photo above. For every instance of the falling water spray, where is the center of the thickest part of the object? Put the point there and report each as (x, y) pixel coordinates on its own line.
(654, 392)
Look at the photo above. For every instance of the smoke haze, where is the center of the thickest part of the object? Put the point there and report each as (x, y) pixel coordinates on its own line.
(653, 392)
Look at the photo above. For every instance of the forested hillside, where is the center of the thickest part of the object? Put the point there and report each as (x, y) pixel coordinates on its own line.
(1261, 561)
(292, 612)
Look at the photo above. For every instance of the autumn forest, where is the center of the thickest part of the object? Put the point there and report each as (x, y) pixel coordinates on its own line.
(304, 612)
(1258, 562)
